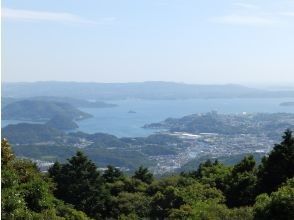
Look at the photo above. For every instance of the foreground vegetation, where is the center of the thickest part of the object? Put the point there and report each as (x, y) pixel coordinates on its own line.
(27, 194)
(213, 191)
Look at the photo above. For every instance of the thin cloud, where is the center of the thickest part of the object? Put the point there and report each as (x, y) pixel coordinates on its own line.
(249, 20)
(29, 16)
(246, 5)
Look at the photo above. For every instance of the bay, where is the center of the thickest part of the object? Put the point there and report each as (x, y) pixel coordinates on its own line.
(127, 119)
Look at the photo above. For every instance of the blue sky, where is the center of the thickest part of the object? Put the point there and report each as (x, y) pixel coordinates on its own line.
(192, 41)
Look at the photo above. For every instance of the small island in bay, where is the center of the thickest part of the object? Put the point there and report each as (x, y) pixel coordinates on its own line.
(131, 112)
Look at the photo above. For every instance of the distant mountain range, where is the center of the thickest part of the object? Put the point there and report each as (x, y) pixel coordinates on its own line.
(141, 90)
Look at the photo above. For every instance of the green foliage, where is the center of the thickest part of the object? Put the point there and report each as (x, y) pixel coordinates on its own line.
(112, 174)
(279, 205)
(241, 189)
(144, 175)
(212, 192)
(200, 202)
(80, 184)
(198, 192)
(164, 201)
(278, 166)
(127, 203)
(134, 185)
(24, 189)
(6, 152)
(68, 212)
(131, 216)
(26, 193)
(160, 185)
(221, 212)
(215, 174)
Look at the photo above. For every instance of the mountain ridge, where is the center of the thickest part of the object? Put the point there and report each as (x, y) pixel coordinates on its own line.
(137, 90)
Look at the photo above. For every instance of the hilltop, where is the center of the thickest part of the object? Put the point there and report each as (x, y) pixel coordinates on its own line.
(35, 110)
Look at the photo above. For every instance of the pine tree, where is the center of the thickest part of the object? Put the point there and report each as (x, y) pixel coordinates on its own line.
(144, 175)
(112, 174)
(80, 184)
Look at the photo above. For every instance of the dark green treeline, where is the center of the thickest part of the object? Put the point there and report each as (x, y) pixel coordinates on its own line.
(77, 190)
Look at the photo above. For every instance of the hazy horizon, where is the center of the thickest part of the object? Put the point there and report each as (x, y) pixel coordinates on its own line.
(233, 42)
(277, 85)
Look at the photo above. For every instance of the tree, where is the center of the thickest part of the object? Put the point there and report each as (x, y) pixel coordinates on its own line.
(128, 203)
(144, 175)
(79, 183)
(242, 183)
(164, 201)
(198, 192)
(27, 194)
(6, 152)
(112, 174)
(198, 200)
(279, 205)
(215, 174)
(278, 166)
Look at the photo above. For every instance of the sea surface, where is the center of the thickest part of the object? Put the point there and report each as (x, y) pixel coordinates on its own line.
(127, 119)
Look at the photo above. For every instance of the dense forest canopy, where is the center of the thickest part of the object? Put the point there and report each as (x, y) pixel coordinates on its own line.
(77, 190)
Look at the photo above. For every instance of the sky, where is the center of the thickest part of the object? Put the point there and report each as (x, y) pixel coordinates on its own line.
(191, 41)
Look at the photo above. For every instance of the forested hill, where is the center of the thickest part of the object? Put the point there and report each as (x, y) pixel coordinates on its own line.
(36, 110)
(77, 190)
(142, 90)
(78, 103)
(212, 122)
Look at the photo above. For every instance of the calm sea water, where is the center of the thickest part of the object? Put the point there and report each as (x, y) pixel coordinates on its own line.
(120, 122)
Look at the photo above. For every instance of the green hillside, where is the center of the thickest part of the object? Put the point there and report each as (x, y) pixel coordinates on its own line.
(25, 133)
(40, 110)
(62, 122)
